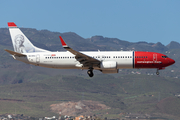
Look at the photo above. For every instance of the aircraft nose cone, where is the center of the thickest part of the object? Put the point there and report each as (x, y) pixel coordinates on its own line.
(171, 61)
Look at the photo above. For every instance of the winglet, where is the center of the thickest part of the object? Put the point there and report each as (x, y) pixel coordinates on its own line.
(62, 41)
(11, 24)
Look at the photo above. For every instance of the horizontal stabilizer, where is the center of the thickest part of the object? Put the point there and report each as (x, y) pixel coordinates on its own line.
(15, 53)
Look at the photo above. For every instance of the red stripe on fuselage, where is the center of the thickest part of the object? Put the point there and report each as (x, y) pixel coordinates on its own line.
(151, 60)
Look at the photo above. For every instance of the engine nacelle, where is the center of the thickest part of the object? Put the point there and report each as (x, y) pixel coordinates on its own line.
(108, 65)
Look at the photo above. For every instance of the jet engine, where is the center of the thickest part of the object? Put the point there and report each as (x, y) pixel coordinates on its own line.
(108, 65)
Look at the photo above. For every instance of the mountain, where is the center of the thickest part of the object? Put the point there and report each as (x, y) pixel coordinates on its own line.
(173, 45)
(116, 44)
(50, 40)
(34, 88)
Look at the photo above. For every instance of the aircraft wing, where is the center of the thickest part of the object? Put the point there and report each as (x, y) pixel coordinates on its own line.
(84, 59)
(15, 53)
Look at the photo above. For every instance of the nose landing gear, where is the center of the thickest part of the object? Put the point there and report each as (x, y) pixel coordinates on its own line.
(90, 73)
(157, 73)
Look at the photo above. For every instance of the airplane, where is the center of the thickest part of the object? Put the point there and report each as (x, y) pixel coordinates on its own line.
(104, 61)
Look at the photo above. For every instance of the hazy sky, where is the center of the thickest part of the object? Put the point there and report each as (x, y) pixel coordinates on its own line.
(130, 20)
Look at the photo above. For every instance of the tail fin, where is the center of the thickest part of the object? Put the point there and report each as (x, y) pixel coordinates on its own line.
(20, 42)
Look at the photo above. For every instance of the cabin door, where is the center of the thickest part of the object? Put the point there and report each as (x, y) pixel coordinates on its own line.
(155, 58)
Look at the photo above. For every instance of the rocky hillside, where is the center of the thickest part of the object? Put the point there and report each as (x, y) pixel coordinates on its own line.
(85, 107)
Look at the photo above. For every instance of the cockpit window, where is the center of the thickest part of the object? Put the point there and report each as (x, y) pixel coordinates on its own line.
(164, 56)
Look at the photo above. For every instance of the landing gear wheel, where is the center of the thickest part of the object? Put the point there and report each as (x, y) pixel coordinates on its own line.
(157, 73)
(90, 73)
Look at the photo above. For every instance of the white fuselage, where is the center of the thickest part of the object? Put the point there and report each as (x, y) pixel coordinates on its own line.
(66, 60)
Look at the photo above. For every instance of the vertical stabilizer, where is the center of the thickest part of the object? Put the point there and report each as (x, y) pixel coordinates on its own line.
(20, 42)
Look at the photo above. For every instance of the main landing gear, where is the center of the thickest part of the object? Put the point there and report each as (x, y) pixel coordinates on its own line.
(90, 73)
